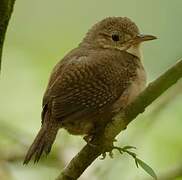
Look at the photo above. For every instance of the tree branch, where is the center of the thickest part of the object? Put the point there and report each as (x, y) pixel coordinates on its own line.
(89, 153)
(6, 8)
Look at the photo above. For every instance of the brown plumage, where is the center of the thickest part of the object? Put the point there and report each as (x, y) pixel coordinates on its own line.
(99, 77)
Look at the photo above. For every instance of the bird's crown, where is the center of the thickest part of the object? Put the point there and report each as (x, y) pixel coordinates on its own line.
(115, 33)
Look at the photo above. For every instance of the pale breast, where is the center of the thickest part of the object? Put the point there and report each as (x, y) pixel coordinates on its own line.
(136, 87)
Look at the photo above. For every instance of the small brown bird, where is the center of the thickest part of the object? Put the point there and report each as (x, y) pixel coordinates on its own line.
(92, 82)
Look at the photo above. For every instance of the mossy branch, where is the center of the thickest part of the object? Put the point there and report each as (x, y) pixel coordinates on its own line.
(6, 8)
(89, 153)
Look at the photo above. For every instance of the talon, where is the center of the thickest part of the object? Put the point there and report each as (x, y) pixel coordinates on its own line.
(103, 156)
(88, 138)
(108, 147)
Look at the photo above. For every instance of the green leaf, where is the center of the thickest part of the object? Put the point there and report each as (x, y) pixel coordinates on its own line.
(147, 168)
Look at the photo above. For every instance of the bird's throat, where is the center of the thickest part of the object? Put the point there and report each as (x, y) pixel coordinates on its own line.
(135, 50)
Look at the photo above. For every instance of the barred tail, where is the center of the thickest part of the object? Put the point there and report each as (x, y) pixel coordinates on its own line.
(42, 143)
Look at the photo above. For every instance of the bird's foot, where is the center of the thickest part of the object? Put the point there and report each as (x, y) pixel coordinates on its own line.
(121, 150)
(108, 147)
(111, 155)
(88, 139)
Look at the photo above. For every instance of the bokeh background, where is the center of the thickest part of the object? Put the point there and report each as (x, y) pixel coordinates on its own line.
(39, 34)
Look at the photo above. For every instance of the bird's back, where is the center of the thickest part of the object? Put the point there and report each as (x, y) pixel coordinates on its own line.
(84, 84)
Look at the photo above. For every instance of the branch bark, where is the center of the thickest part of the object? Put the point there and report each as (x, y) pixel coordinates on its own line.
(6, 8)
(105, 139)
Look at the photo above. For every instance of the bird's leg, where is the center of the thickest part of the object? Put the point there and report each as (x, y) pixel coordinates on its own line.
(88, 138)
(94, 134)
(96, 139)
(108, 146)
(100, 142)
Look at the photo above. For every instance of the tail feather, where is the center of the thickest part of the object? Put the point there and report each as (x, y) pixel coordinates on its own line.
(42, 143)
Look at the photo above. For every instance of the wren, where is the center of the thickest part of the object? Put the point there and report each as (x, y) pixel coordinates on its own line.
(92, 82)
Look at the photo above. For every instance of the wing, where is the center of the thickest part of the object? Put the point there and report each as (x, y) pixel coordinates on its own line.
(86, 84)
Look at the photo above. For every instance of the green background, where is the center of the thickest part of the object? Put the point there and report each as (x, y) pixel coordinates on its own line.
(39, 34)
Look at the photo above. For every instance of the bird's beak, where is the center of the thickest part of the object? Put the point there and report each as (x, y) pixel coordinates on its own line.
(144, 37)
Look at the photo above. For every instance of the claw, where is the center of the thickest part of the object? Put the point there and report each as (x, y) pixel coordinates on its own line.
(109, 150)
(125, 149)
(103, 156)
(88, 138)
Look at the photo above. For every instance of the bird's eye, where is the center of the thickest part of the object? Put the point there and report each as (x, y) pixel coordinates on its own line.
(115, 37)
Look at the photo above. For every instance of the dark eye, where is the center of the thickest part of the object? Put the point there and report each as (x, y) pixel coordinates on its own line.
(115, 37)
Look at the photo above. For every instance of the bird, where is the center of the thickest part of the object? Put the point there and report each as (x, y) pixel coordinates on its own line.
(95, 80)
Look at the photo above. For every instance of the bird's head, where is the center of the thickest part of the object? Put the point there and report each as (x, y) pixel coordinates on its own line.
(116, 33)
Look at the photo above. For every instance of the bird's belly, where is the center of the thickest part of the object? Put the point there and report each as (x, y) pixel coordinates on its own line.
(136, 87)
(79, 127)
(88, 124)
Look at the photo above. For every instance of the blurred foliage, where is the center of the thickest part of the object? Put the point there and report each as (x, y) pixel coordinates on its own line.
(39, 34)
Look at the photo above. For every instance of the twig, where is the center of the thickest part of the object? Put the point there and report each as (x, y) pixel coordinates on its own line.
(6, 8)
(104, 140)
